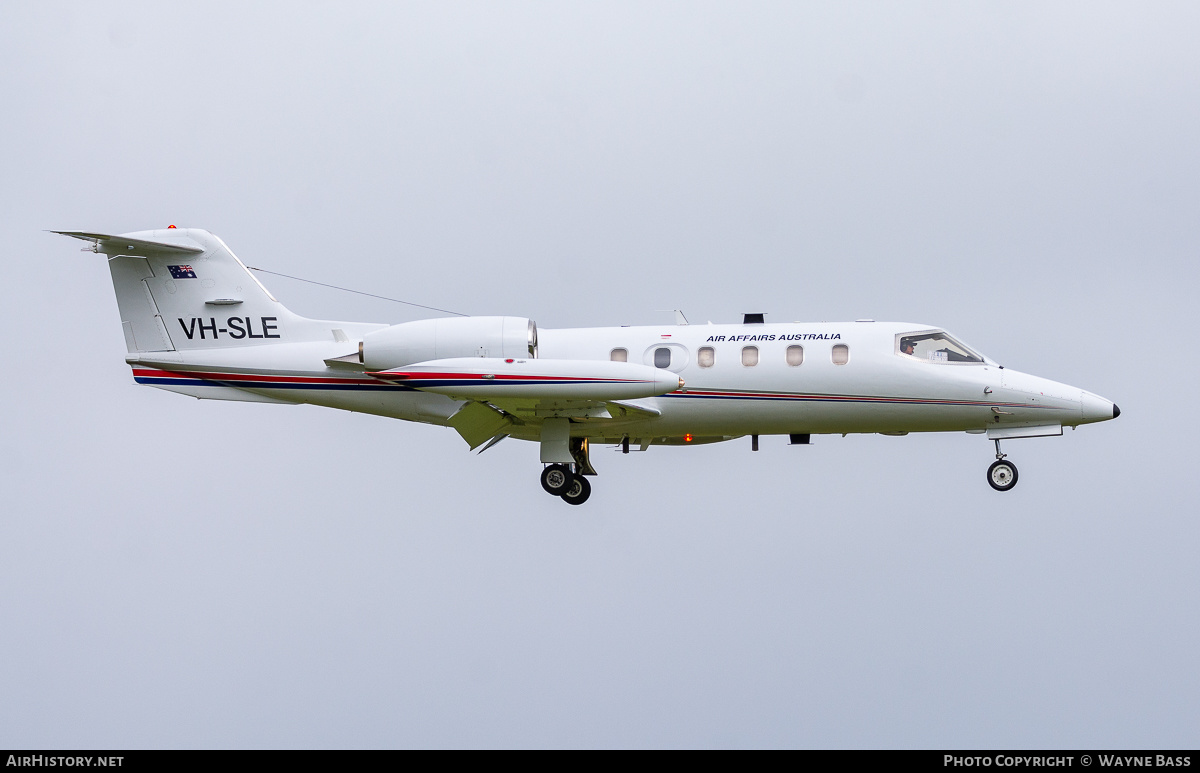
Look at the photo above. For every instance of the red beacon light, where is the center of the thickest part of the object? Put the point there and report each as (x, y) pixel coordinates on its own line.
(170, 226)
(508, 360)
(687, 438)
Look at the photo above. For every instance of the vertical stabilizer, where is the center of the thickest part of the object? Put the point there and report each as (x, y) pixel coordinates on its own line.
(182, 288)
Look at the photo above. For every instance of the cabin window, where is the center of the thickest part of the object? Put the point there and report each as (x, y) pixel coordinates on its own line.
(619, 355)
(749, 356)
(662, 357)
(841, 354)
(795, 355)
(705, 356)
(935, 346)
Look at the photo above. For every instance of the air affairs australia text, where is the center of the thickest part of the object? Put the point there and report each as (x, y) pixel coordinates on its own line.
(782, 337)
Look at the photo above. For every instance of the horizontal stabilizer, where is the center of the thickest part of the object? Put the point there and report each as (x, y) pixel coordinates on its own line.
(124, 245)
(492, 378)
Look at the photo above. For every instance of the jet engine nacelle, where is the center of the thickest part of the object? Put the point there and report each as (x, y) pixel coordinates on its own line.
(445, 338)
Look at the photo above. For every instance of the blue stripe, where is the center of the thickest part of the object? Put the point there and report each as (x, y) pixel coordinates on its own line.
(177, 381)
(273, 385)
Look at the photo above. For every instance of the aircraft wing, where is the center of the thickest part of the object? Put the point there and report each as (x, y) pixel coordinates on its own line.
(491, 378)
(504, 392)
(479, 421)
(124, 245)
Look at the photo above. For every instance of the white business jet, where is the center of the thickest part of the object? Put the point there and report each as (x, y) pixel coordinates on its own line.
(198, 322)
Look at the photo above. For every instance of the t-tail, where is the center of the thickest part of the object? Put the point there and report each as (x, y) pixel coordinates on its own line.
(181, 289)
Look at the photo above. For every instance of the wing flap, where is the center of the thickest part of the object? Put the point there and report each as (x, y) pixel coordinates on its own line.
(478, 423)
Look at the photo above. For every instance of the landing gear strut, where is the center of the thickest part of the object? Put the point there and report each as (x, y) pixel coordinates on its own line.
(1002, 475)
(566, 479)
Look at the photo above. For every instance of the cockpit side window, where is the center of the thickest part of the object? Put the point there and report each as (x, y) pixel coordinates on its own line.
(935, 346)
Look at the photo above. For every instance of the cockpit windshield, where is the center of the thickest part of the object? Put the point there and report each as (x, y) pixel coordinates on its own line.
(935, 346)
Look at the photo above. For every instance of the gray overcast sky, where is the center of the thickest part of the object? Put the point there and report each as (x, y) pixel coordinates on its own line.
(181, 573)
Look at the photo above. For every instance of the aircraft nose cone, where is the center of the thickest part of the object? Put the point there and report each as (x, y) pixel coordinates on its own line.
(1096, 408)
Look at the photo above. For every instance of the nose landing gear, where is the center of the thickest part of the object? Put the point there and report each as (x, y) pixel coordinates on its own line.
(1002, 475)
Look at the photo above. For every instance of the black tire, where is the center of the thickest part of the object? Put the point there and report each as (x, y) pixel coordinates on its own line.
(1002, 475)
(578, 492)
(556, 479)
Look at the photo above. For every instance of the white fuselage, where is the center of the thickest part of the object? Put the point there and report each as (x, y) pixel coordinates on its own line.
(197, 321)
(875, 388)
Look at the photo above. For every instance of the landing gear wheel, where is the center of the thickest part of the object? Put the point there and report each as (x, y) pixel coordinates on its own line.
(556, 479)
(578, 492)
(1002, 475)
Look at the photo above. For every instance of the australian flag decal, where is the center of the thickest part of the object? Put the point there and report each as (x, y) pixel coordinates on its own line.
(181, 272)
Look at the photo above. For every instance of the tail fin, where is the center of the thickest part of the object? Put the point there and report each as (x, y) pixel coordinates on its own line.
(182, 288)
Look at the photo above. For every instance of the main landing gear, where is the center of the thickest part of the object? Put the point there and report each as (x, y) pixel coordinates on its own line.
(558, 480)
(1002, 475)
(567, 462)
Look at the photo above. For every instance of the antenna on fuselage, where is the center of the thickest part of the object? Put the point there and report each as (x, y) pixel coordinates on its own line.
(679, 318)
